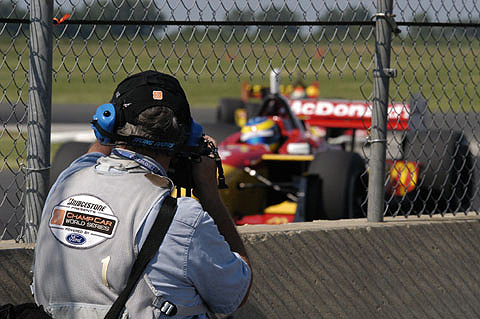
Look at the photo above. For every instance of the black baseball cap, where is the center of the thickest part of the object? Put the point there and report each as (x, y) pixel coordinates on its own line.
(147, 89)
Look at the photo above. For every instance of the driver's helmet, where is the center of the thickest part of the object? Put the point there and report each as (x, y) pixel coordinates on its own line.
(261, 130)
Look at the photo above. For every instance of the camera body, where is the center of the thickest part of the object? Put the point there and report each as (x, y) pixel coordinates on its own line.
(180, 169)
(196, 145)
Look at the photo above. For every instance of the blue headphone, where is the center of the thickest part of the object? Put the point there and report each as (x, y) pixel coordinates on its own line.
(104, 126)
(104, 122)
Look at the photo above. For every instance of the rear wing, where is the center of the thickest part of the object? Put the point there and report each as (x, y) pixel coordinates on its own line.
(348, 114)
(257, 91)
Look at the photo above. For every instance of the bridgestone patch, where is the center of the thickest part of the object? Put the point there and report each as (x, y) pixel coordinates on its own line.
(82, 221)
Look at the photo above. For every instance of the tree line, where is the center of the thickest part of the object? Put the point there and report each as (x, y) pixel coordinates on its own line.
(145, 10)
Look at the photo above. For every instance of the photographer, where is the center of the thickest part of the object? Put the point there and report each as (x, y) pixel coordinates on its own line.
(101, 208)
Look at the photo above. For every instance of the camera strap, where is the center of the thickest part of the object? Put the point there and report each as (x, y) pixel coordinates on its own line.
(141, 160)
(218, 161)
(147, 252)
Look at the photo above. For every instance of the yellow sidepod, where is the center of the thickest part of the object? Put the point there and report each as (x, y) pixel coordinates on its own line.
(242, 202)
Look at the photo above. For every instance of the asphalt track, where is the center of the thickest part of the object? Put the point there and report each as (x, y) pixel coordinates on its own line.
(70, 122)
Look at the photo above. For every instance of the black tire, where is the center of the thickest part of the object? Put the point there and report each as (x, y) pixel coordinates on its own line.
(226, 110)
(446, 170)
(335, 186)
(65, 155)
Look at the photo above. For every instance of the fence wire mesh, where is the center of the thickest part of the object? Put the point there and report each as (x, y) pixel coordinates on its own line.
(436, 59)
(14, 55)
(213, 46)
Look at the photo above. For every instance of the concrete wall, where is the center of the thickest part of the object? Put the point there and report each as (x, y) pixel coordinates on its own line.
(415, 268)
(15, 277)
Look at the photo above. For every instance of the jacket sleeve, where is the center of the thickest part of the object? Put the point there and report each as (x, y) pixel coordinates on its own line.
(220, 276)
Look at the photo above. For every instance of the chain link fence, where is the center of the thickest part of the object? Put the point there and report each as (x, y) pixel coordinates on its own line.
(14, 57)
(213, 46)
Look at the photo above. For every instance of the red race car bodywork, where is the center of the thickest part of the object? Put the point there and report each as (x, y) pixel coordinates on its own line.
(265, 185)
(317, 172)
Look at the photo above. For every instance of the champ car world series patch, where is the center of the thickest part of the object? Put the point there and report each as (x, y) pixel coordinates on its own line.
(82, 221)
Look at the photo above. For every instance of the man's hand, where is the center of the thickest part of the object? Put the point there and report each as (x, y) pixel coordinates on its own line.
(205, 175)
(206, 190)
(205, 178)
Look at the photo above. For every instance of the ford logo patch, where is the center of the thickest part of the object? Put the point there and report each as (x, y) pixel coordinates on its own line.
(76, 239)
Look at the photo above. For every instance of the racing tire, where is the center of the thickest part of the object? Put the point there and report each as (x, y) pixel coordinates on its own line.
(336, 188)
(446, 178)
(65, 155)
(226, 110)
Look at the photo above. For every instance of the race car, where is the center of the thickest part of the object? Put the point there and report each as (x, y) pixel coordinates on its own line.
(312, 171)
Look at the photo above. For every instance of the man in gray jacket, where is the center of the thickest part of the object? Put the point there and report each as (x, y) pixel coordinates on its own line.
(101, 208)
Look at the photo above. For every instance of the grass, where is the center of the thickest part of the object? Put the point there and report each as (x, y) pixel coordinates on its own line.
(446, 74)
(213, 72)
(13, 153)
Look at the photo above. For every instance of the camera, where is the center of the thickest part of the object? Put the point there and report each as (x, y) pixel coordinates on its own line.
(196, 145)
(180, 170)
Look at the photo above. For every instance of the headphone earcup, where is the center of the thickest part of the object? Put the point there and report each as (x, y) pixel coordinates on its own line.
(105, 119)
(196, 133)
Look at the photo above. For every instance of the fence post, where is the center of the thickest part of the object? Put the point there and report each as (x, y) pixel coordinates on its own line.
(378, 130)
(39, 114)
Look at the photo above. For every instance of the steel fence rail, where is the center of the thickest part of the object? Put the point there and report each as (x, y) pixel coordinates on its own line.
(39, 115)
(348, 47)
(384, 28)
(254, 23)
